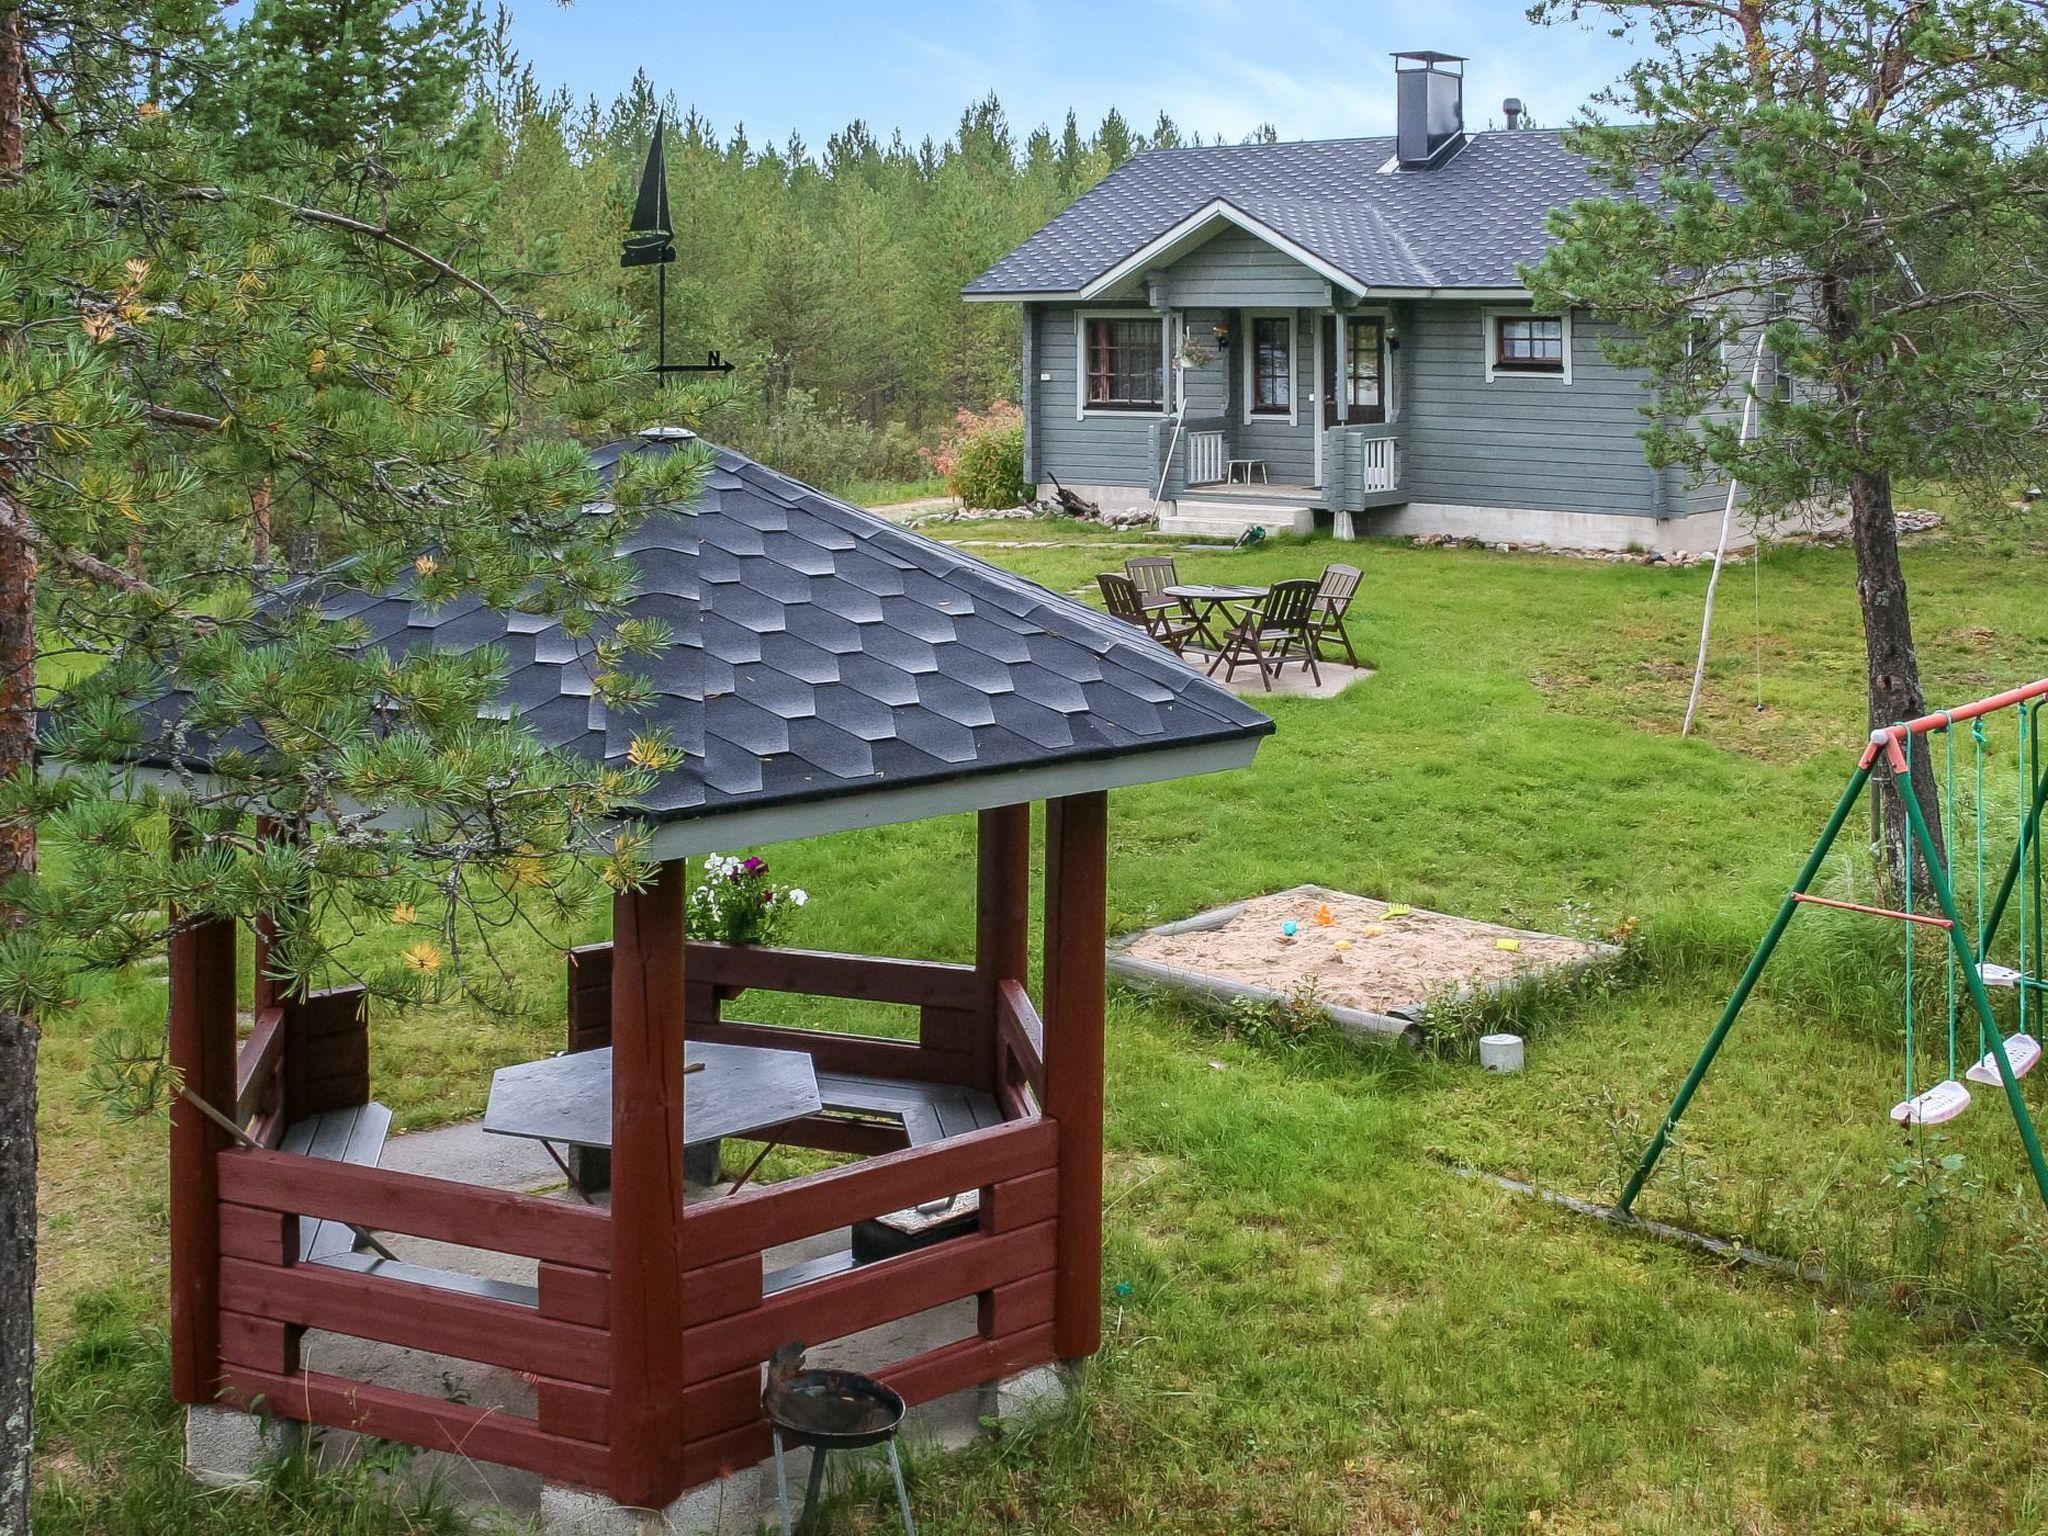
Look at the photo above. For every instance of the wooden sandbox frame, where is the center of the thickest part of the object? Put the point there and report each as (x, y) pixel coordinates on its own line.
(1402, 1023)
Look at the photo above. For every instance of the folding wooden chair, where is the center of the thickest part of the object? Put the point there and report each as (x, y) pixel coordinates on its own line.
(1278, 628)
(1326, 618)
(1152, 575)
(1172, 627)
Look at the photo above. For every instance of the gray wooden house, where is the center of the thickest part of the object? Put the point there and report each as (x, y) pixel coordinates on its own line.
(1280, 333)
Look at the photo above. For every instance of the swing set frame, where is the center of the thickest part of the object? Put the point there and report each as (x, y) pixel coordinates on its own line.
(1891, 747)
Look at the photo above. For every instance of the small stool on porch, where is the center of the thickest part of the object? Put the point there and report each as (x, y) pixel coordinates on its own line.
(1240, 472)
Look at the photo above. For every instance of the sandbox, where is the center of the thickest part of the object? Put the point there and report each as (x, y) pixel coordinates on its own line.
(1392, 956)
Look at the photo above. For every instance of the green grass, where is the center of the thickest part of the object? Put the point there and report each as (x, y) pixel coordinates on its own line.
(882, 493)
(1313, 1323)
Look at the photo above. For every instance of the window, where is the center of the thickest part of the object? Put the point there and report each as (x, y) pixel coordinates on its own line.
(1362, 343)
(1529, 343)
(1272, 366)
(1121, 364)
(1520, 345)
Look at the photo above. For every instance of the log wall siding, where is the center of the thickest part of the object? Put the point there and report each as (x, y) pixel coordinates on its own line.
(1512, 442)
(1288, 447)
(1525, 442)
(1113, 448)
(1237, 268)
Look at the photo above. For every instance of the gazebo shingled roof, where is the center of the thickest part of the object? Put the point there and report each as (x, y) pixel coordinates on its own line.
(824, 653)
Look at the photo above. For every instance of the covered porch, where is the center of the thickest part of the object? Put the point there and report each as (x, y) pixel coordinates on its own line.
(1281, 414)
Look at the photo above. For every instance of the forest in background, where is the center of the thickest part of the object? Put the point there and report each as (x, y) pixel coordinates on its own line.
(830, 276)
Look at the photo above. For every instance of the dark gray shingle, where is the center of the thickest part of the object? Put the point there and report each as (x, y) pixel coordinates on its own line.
(820, 651)
(1468, 223)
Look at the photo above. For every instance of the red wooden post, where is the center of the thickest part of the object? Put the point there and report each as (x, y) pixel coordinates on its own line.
(1076, 869)
(202, 1052)
(264, 993)
(1002, 930)
(647, 1428)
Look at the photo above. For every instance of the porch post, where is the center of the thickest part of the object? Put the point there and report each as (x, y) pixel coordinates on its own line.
(201, 1047)
(1076, 867)
(647, 1429)
(1002, 929)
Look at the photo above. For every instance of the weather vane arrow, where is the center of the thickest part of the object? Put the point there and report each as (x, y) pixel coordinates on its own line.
(651, 242)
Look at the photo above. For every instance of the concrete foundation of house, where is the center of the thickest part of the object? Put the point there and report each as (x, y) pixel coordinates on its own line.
(1207, 518)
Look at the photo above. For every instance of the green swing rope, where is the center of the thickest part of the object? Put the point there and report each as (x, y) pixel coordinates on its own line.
(2033, 713)
(1977, 740)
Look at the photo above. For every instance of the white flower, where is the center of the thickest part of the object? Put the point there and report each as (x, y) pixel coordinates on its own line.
(798, 898)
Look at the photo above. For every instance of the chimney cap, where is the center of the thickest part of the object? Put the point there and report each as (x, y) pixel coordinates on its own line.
(1429, 57)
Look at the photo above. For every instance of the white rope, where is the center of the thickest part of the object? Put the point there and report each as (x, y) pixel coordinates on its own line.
(1699, 669)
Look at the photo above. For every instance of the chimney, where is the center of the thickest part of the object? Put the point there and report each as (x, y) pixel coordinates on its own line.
(1429, 108)
(1512, 110)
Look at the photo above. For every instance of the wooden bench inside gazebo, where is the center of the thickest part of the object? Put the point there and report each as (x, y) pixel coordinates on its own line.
(839, 673)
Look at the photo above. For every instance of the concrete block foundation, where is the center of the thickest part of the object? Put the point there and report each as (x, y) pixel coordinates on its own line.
(226, 1448)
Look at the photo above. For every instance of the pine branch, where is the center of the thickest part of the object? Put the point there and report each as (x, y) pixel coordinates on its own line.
(382, 234)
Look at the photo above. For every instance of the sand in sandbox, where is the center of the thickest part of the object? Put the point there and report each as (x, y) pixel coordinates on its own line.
(1393, 962)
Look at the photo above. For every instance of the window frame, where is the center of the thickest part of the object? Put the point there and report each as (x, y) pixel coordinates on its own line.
(1347, 327)
(1252, 411)
(1136, 411)
(1497, 368)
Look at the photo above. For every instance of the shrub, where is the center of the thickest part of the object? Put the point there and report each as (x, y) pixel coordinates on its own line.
(822, 447)
(982, 458)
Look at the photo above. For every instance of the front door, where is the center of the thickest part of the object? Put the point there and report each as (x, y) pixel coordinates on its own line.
(1354, 376)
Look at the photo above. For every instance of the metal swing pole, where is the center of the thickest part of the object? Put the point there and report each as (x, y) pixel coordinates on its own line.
(1937, 875)
(1743, 988)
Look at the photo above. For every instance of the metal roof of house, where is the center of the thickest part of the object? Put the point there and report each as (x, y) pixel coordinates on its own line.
(824, 654)
(1468, 222)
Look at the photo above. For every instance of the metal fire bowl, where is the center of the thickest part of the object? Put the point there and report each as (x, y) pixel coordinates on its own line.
(832, 1410)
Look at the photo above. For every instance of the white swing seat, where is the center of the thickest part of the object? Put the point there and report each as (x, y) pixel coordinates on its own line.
(2022, 1054)
(1998, 975)
(1938, 1105)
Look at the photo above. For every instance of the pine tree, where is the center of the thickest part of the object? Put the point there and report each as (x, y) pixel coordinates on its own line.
(1853, 174)
(177, 344)
(312, 79)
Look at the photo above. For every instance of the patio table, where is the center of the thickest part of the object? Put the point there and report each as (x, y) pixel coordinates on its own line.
(728, 1090)
(1205, 602)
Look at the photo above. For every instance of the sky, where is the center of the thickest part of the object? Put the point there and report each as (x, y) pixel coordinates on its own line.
(1218, 66)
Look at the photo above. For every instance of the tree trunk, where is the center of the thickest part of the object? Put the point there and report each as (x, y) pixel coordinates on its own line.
(17, 1267)
(1893, 666)
(17, 853)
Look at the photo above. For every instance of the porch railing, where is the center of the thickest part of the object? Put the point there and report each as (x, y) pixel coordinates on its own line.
(1208, 458)
(1378, 465)
(1362, 465)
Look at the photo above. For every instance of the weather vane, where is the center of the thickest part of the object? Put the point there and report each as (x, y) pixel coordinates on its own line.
(651, 242)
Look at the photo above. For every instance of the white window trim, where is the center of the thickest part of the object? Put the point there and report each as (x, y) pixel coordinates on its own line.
(1489, 340)
(1082, 410)
(1250, 349)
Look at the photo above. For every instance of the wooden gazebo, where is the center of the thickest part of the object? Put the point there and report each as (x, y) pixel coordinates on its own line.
(834, 671)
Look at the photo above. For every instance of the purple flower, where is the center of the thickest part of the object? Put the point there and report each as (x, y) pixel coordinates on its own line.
(756, 867)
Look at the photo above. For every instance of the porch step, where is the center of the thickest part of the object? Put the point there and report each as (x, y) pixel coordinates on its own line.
(1258, 491)
(1216, 517)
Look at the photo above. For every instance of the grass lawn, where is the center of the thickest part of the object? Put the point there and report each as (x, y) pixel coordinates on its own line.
(1314, 1323)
